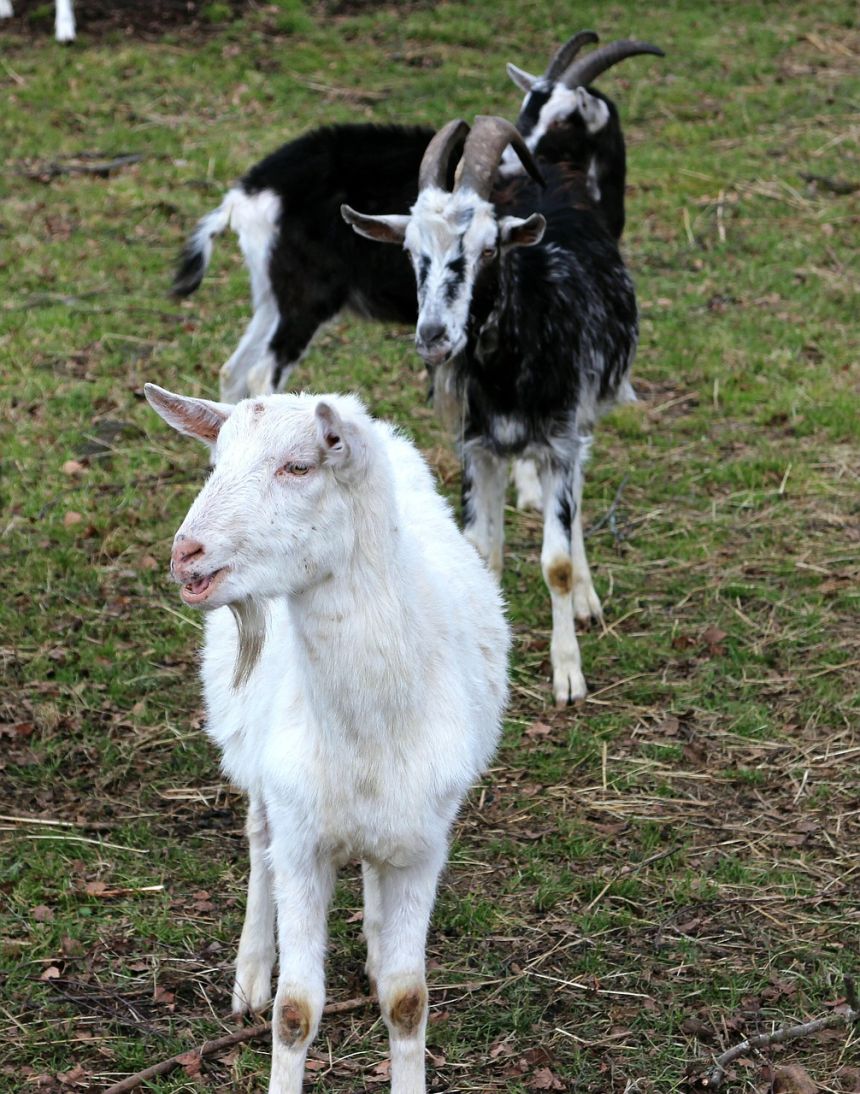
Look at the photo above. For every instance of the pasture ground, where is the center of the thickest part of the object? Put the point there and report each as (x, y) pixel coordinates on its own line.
(639, 881)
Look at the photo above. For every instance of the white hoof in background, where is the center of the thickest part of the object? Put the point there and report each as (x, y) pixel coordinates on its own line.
(252, 989)
(527, 485)
(586, 603)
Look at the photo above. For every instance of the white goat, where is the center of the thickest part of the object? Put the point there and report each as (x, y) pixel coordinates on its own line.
(356, 701)
(64, 18)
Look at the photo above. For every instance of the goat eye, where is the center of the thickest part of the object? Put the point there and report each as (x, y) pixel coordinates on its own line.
(294, 469)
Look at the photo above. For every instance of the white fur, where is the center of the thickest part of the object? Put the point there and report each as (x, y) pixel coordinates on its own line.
(254, 218)
(373, 707)
(562, 103)
(64, 18)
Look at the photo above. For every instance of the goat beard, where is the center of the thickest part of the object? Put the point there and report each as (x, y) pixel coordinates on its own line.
(251, 618)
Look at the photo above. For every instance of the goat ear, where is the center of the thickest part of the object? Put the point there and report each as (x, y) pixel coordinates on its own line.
(521, 78)
(334, 435)
(198, 418)
(514, 232)
(384, 229)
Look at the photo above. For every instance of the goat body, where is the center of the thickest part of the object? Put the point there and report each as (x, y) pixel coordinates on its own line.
(370, 700)
(304, 263)
(527, 306)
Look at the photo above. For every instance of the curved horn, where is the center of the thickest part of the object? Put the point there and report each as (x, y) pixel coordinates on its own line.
(589, 68)
(483, 150)
(565, 53)
(437, 156)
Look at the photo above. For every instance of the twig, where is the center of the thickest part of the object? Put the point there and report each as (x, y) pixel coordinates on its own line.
(209, 1048)
(48, 171)
(788, 1033)
(253, 1033)
(609, 516)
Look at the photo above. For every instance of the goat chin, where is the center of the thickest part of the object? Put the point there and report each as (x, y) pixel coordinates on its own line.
(251, 619)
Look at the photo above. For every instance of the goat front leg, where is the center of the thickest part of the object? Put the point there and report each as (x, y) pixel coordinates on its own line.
(252, 988)
(6, 11)
(484, 485)
(408, 894)
(559, 499)
(303, 884)
(586, 602)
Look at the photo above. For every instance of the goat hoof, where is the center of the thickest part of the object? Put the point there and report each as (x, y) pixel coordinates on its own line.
(252, 990)
(568, 686)
(586, 604)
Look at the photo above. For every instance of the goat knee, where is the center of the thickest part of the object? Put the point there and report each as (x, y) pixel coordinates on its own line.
(404, 1008)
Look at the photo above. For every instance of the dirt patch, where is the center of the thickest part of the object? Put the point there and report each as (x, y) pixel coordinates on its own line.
(103, 18)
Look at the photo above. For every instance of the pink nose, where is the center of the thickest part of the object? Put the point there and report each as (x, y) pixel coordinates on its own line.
(187, 552)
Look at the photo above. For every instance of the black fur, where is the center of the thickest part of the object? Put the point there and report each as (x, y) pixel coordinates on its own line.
(552, 327)
(568, 143)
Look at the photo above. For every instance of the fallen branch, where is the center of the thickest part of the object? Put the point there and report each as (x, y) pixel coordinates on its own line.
(253, 1033)
(47, 171)
(209, 1048)
(848, 1017)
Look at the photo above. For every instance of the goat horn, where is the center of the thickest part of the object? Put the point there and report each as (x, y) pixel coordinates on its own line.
(565, 53)
(437, 156)
(589, 68)
(483, 150)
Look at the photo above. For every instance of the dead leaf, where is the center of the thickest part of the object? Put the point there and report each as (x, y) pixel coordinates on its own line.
(793, 1079)
(50, 973)
(544, 1079)
(163, 996)
(75, 1075)
(95, 888)
(73, 467)
(42, 913)
(538, 729)
(72, 518)
(190, 1061)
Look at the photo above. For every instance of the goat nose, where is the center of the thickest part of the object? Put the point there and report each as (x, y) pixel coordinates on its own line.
(431, 332)
(186, 550)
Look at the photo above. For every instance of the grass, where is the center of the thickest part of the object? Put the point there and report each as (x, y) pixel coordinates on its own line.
(639, 881)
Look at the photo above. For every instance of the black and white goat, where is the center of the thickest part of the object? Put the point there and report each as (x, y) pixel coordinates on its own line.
(567, 122)
(306, 266)
(64, 18)
(524, 300)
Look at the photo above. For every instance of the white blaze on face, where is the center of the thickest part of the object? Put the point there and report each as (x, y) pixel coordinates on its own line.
(449, 238)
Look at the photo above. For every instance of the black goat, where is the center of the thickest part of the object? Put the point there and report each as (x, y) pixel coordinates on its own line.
(525, 306)
(305, 265)
(566, 122)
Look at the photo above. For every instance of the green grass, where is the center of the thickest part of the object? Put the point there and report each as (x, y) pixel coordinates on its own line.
(684, 845)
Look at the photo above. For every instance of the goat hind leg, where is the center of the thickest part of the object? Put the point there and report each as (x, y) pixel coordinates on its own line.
(568, 683)
(6, 11)
(586, 602)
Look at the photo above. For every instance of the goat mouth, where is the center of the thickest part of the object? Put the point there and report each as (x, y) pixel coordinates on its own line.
(435, 356)
(198, 591)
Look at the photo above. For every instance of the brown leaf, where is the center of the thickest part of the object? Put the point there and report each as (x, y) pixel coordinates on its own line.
(538, 729)
(190, 1061)
(42, 913)
(544, 1079)
(713, 638)
(72, 518)
(95, 888)
(74, 1076)
(162, 995)
(793, 1079)
(73, 467)
(50, 973)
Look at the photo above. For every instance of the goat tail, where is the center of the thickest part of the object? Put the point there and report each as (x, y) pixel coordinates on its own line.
(197, 251)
